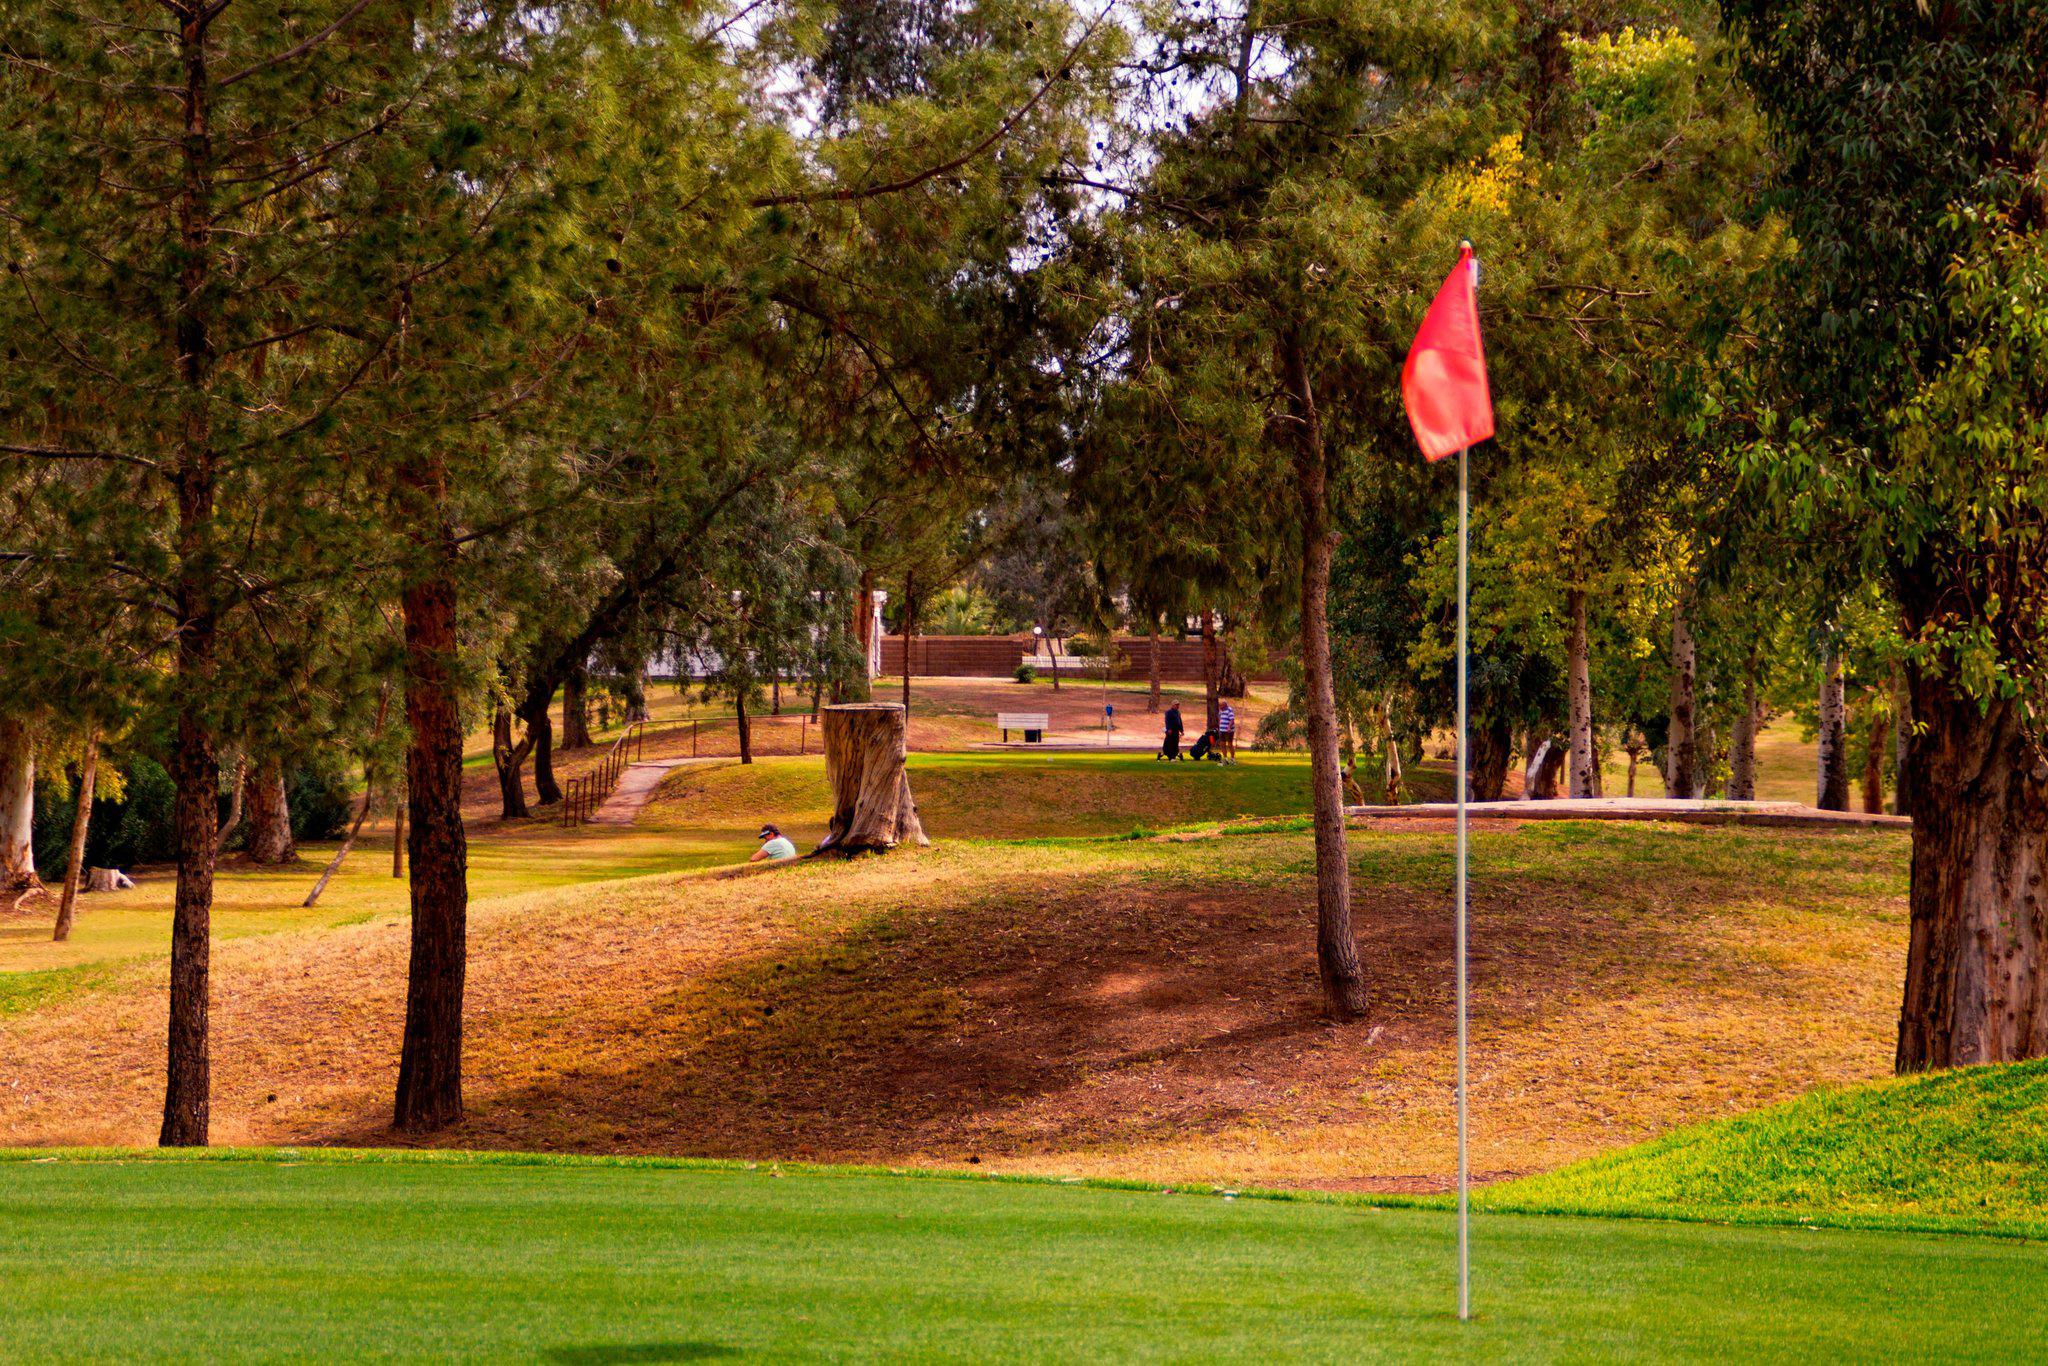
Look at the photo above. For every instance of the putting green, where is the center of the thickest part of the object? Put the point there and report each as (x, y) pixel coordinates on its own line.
(595, 1261)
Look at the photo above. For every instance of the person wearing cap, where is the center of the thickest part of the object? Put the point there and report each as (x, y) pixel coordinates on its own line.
(774, 845)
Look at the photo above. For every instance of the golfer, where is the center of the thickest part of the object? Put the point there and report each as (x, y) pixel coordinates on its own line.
(774, 846)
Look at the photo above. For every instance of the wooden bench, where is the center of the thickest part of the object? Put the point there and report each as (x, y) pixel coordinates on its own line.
(1034, 724)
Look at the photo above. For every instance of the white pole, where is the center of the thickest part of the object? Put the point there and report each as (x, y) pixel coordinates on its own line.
(1464, 1174)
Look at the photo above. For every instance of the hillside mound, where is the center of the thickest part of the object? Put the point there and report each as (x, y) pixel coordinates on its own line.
(1962, 1149)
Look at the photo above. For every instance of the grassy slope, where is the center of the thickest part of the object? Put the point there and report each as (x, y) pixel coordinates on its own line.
(1958, 1150)
(592, 1261)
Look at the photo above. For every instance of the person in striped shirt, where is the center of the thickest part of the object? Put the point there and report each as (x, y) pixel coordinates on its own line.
(1226, 732)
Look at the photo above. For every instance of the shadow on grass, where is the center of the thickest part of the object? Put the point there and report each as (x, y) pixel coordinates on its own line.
(1140, 1010)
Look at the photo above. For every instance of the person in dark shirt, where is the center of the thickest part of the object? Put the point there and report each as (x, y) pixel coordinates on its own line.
(1169, 748)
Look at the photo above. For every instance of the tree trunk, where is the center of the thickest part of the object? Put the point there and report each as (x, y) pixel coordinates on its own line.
(864, 626)
(1831, 784)
(745, 726)
(429, 1093)
(1052, 652)
(238, 790)
(270, 817)
(1213, 706)
(1977, 961)
(509, 759)
(908, 616)
(1873, 761)
(1492, 746)
(1902, 737)
(17, 807)
(540, 733)
(397, 828)
(634, 680)
(195, 765)
(1152, 670)
(576, 709)
(1681, 755)
(1390, 778)
(81, 820)
(1546, 764)
(347, 843)
(1585, 772)
(195, 769)
(1742, 747)
(866, 745)
(1336, 951)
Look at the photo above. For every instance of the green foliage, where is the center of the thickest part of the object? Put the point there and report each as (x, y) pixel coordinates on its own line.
(1905, 414)
(1026, 674)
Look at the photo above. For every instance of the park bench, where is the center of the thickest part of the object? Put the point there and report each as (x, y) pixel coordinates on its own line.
(1034, 724)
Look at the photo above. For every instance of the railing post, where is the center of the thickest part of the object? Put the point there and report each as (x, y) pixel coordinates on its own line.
(693, 739)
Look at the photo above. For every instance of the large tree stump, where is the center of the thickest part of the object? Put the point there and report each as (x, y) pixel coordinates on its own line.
(872, 809)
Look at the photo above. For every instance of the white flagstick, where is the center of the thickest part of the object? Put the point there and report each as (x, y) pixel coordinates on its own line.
(1464, 1209)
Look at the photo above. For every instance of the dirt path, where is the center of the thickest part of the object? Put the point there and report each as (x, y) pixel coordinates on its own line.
(634, 790)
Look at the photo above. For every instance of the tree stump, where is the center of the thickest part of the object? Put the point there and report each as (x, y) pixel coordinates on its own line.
(872, 809)
(106, 880)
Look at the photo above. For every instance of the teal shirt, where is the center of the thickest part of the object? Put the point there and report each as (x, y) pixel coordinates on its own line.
(779, 847)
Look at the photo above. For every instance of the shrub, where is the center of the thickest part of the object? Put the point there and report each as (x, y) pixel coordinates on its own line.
(318, 794)
(1026, 674)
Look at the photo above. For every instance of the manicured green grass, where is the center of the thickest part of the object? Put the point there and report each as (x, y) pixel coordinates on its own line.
(1964, 1150)
(593, 1261)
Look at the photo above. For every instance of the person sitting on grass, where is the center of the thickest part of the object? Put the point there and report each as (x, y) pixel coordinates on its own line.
(775, 846)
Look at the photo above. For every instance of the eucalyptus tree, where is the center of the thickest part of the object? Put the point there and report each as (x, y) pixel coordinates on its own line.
(1911, 365)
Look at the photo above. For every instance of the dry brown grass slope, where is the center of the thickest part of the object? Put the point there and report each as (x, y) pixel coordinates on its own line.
(1142, 1008)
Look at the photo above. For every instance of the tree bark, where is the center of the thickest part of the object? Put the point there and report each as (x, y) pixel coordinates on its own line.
(866, 747)
(745, 726)
(429, 1094)
(540, 732)
(1390, 776)
(1337, 962)
(270, 817)
(1873, 762)
(17, 807)
(81, 821)
(576, 710)
(397, 828)
(238, 790)
(1585, 772)
(1546, 764)
(1492, 746)
(908, 616)
(1742, 745)
(1681, 755)
(195, 765)
(1152, 670)
(348, 843)
(1977, 961)
(864, 626)
(1831, 783)
(509, 758)
(1902, 738)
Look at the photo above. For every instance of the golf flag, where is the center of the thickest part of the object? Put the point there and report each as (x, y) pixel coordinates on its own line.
(1443, 385)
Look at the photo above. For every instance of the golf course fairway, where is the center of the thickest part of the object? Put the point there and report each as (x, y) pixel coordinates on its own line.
(320, 1254)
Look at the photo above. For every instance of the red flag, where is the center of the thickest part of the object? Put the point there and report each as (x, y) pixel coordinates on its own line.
(1443, 385)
